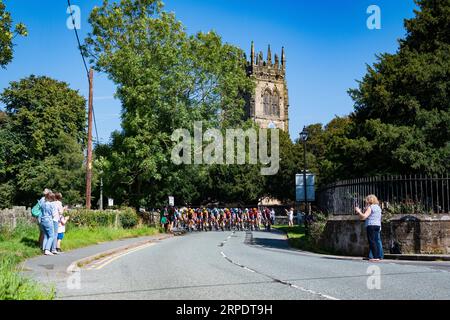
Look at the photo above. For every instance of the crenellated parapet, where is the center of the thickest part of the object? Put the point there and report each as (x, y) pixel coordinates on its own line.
(271, 65)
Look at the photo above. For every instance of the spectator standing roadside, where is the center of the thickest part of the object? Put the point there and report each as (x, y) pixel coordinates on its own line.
(291, 217)
(48, 210)
(272, 216)
(165, 224)
(61, 230)
(39, 219)
(57, 211)
(372, 218)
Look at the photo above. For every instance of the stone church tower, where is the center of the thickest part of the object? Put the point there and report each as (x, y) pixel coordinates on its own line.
(269, 105)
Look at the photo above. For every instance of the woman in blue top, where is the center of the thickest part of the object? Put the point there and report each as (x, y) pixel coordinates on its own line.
(372, 218)
(48, 210)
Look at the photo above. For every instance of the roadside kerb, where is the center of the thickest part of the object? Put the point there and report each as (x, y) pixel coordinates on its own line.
(88, 260)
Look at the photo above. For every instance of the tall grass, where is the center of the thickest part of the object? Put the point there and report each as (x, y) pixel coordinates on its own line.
(296, 236)
(14, 286)
(298, 239)
(16, 246)
(19, 244)
(84, 236)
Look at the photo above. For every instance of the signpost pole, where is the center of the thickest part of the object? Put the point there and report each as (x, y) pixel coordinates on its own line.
(304, 177)
(304, 137)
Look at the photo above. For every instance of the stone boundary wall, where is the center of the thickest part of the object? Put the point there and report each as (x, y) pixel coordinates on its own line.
(10, 218)
(402, 234)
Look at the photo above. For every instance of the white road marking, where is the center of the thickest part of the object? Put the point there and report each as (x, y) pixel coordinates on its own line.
(328, 297)
(104, 262)
(314, 292)
(124, 254)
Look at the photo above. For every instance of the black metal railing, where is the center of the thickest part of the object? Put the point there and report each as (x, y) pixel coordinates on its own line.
(399, 194)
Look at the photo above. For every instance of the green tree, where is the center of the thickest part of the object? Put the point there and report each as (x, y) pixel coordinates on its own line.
(319, 153)
(62, 172)
(282, 185)
(40, 109)
(341, 155)
(8, 32)
(402, 106)
(12, 149)
(41, 139)
(166, 80)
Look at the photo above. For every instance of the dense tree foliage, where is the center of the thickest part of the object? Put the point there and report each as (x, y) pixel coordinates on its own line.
(402, 106)
(42, 132)
(166, 80)
(401, 121)
(8, 32)
(282, 185)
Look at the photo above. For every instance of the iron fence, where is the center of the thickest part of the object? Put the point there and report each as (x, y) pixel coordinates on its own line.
(400, 194)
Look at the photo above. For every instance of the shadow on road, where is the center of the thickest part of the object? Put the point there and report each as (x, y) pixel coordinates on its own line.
(271, 243)
(262, 239)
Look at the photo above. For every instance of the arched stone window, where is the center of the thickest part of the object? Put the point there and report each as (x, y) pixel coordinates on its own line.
(267, 102)
(275, 108)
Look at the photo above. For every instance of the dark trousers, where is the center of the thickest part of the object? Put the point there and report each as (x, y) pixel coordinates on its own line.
(373, 235)
(380, 247)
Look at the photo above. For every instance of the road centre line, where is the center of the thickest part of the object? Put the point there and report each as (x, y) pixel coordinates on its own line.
(325, 296)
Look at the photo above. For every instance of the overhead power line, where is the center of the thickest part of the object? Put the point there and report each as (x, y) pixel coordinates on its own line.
(84, 63)
(78, 38)
(91, 118)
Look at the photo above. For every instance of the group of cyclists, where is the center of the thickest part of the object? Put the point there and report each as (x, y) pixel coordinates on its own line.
(217, 219)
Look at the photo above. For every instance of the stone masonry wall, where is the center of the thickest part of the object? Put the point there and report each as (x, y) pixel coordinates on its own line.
(414, 234)
(10, 218)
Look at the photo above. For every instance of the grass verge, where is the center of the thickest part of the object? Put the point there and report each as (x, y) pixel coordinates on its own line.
(297, 239)
(22, 243)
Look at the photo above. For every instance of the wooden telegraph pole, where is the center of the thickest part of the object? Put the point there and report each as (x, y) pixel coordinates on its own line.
(89, 146)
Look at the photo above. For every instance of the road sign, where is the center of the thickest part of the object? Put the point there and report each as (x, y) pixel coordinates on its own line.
(110, 202)
(310, 187)
(171, 201)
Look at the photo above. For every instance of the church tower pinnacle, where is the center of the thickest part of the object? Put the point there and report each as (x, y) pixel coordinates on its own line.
(269, 104)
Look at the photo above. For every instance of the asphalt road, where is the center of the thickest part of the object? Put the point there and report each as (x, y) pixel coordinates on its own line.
(253, 266)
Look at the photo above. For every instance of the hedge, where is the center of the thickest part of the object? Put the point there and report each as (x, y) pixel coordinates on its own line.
(125, 217)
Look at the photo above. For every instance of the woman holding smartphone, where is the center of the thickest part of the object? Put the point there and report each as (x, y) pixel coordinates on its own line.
(372, 218)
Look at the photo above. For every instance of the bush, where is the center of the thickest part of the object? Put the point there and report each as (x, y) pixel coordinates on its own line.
(128, 218)
(125, 217)
(91, 218)
(316, 228)
(406, 209)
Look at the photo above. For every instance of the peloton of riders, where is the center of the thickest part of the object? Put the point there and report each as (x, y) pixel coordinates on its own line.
(206, 219)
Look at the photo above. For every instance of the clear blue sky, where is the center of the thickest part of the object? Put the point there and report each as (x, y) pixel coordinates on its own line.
(327, 45)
